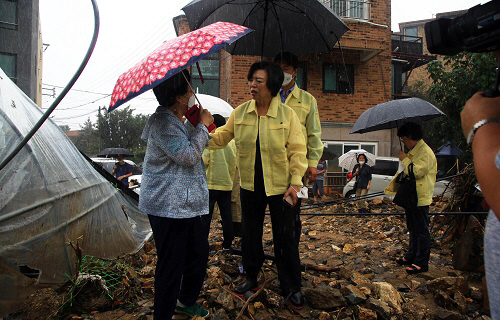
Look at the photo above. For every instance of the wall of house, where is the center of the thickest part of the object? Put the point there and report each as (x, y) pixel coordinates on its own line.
(23, 43)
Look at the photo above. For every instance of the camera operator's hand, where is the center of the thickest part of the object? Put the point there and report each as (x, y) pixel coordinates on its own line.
(477, 108)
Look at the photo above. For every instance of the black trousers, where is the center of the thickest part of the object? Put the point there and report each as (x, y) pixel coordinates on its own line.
(298, 223)
(417, 222)
(182, 249)
(223, 199)
(286, 251)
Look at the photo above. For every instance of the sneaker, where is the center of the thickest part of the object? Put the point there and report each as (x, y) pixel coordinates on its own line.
(194, 310)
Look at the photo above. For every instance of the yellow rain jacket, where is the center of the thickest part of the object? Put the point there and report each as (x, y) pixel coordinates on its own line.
(282, 145)
(220, 166)
(306, 108)
(424, 168)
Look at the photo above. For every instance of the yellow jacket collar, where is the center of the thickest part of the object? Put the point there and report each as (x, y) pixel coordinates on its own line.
(417, 147)
(273, 107)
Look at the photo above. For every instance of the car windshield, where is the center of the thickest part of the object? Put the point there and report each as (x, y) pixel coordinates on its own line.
(385, 167)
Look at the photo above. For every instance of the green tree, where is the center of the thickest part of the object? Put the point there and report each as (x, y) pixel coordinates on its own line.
(87, 139)
(454, 81)
(121, 129)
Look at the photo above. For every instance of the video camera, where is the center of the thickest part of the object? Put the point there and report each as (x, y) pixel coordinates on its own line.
(478, 30)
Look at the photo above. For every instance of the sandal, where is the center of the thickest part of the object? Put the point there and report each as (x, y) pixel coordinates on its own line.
(403, 262)
(414, 269)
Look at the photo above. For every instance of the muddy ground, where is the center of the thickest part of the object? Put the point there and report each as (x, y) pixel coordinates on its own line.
(349, 273)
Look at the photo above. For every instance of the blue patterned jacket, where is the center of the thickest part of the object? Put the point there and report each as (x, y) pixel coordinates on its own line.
(173, 183)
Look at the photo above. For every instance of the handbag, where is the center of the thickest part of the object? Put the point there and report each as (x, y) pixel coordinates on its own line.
(406, 196)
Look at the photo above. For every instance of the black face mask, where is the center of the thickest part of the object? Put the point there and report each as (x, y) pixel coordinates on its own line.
(405, 149)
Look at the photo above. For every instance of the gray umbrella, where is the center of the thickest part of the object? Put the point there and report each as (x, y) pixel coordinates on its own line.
(393, 114)
(298, 26)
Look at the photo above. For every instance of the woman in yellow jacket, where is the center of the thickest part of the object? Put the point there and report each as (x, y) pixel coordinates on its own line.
(271, 153)
(417, 219)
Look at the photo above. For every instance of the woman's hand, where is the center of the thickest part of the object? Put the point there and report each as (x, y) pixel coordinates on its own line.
(368, 186)
(206, 117)
(292, 192)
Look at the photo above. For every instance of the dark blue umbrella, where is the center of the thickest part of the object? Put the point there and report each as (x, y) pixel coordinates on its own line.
(395, 113)
(448, 150)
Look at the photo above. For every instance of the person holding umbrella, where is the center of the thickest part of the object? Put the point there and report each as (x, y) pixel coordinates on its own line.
(417, 218)
(272, 161)
(306, 108)
(363, 174)
(174, 194)
(122, 170)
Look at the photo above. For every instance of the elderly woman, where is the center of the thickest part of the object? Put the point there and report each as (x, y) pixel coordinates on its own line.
(174, 194)
(272, 161)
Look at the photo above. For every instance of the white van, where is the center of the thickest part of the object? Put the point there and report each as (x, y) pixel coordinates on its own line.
(109, 163)
(382, 173)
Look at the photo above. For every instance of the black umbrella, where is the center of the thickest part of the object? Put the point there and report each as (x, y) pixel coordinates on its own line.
(113, 152)
(393, 114)
(298, 26)
(328, 155)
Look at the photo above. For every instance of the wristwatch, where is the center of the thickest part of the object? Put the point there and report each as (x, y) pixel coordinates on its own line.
(478, 125)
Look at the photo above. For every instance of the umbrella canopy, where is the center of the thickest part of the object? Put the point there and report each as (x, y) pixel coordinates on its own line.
(215, 105)
(349, 159)
(448, 150)
(395, 113)
(172, 57)
(113, 152)
(298, 26)
(327, 154)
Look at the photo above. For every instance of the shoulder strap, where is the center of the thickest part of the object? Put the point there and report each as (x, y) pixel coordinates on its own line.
(410, 171)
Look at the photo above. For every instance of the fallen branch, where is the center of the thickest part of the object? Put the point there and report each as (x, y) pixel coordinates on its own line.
(254, 296)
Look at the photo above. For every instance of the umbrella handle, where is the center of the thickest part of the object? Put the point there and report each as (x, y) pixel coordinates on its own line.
(194, 93)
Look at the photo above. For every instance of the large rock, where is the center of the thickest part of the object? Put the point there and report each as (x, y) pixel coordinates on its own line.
(449, 285)
(325, 298)
(443, 314)
(468, 251)
(442, 299)
(387, 293)
(225, 299)
(380, 307)
(353, 294)
(365, 314)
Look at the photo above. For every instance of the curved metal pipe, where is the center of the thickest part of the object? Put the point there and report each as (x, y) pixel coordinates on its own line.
(63, 93)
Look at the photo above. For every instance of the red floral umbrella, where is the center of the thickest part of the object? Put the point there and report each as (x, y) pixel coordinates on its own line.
(172, 57)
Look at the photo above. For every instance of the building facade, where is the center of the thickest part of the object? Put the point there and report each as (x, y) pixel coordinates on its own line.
(21, 45)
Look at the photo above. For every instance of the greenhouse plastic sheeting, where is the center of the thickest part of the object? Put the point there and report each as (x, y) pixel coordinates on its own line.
(51, 196)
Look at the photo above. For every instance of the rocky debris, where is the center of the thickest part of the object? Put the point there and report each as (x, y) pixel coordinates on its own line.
(388, 294)
(353, 294)
(350, 273)
(468, 251)
(325, 298)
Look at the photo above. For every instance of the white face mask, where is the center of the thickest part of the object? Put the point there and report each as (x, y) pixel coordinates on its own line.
(287, 80)
(191, 101)
(361, 162)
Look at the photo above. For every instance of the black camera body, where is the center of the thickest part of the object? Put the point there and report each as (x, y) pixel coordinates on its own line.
(478, 30)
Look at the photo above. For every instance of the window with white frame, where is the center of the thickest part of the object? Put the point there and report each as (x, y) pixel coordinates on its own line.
(357, 9)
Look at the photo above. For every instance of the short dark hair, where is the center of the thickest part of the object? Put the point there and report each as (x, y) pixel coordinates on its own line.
(359, 155)
(219, 120)
(287, 58)
(167, 91)
(274, 75)
(411, 130)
